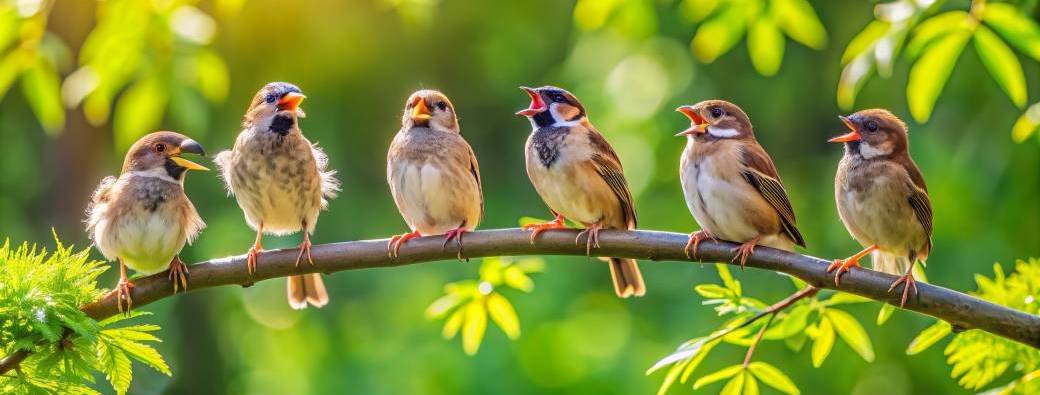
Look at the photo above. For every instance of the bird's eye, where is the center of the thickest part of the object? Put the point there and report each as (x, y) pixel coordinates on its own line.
(716, 112)
(442, 106)
(872, 126)
(270, 98)
(160, 147)
(556, 97)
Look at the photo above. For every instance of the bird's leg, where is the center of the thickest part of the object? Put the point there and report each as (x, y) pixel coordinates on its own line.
(253, 256)
(592, 239)
(305, 248)
(537, 229)
(843, 265)
(123, 289)
(745, 250)
(455, 234)
(909, 281)
(695, 241)
(393, 247)
(178, 274)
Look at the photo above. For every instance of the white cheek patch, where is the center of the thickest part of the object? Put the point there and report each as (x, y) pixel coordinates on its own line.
(158, 173)
(719, 132)
(560, 121)
(868, 151)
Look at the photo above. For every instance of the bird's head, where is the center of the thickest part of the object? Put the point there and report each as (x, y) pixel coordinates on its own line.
(160, 153)
(432, 109)
(872, 133)
(716, 119)
(275, 108)
(552, 106)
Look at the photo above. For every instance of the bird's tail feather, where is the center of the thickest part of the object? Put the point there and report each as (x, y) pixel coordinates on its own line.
(890, 263)
(308, 288)
(628, 281)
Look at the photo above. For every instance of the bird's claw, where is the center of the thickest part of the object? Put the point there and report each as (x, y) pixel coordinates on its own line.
(909, 281)
(122, 291)
(842, 266)
(592, 239)
(744, 251)
(393, 247)
(179, 274)
(695, 240)
(537, 229)
(455, 234)
(305, 248)
(252, 257)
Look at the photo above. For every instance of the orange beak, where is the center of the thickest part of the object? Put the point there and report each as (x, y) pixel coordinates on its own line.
(291, 101)
(697, 123)
(853, 135)
(537, 105)
(421, 112)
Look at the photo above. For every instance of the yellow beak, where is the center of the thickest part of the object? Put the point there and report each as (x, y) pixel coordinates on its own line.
(187, 164)
(421, 112)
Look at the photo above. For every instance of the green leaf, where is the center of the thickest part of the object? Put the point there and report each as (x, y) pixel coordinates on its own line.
(934, 28)
(593, 14)
(116, 366)
(139, 111)
(929, 74)
(696, 10)
(844, 298)
(491, 270)
(503, 314)
(1027, 124)
(723, 374)
(719, 34)
(1016, 27)
(793, 323)
(766, 46)
(885, 313)
(524, 221)
(42, 89)
(750, 384)
(696, 360)
(865, 40)
(673, 374)
(735, 386)
(799, 21)
(712, 291)
(145, 354)
(773, 377)
(440, 307)
(1002, 64)
(453, 323)
(823, 342)
(852, 333)
(686, 351)
(727, 278)
(928, 337)
(473, 327)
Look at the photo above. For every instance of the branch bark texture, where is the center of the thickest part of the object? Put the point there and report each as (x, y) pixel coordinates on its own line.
(959, 309)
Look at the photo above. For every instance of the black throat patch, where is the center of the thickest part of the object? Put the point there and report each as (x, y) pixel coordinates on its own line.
(547, 142)
(281, 124)
(173, 169)
(544, 119)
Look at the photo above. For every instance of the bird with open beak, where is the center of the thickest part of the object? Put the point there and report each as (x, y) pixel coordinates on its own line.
(578, 175)
(730, 183)
(882, 198)
(143, 218)
(280, 181)
(433, 172)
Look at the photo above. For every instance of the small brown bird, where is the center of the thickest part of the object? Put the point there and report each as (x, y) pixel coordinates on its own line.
(730, 183)
(143, 218)
(433, 173)
(280, 181)
(578, 175)
(882, 198)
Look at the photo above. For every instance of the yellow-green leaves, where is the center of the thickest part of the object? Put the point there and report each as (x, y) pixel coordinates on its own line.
(725, 373)
(116, 346)
(1015, 26)
(852, 333)
(468, 304)
(42, 89)
(823, 341)
(773, 377)
(723, 23)
(1027, 124)
(1002, 64)
(744, 380)
(928, 337)
(929, 74)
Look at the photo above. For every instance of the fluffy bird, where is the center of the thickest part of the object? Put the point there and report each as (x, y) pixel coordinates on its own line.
(280, 181)
(578, 175)
(143, 218)
(433, 173)
(882, 198)
(730, 183)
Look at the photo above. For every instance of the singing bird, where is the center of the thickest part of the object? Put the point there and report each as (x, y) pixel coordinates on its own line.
(280, 180)
(143, 218)
(730, 183)
(882, 198)
(578, 175)
(433, 173)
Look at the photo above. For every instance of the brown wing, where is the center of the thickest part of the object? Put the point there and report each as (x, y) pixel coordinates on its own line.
(474, 169)
(761, 174)
(919, 202)
(607, 164)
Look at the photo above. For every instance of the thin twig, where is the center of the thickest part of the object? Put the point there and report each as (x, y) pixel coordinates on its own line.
(758, 339)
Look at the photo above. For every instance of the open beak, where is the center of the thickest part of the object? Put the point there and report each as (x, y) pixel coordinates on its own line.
(537, 105)
(192, 147)
(291, 101)
(421, 112)
(853, 135)
(697, 123)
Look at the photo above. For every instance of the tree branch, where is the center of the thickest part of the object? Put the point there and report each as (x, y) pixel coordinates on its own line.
(959, 309)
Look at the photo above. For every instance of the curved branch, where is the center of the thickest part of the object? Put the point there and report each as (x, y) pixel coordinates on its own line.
(959, 309)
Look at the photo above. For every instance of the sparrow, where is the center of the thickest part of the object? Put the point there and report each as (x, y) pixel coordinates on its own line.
(280, 180)
(882, 198)
(143, 218)
(578, 175)
(730, 183)
(433, 173)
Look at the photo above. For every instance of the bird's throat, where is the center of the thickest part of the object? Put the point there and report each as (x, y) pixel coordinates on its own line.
(282, 124)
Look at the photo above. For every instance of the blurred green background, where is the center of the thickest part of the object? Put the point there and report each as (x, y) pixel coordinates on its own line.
(358, 61)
